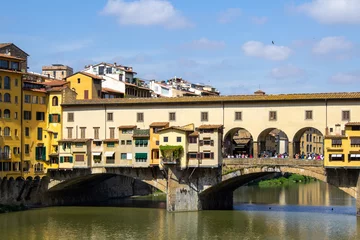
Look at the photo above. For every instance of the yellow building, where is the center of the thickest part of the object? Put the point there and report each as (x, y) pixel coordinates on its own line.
(155, 127)
(10, 116)
(86, 85)
(312, 141)
(343, 150)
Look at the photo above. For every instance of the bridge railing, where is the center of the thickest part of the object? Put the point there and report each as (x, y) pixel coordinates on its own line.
(272, 161)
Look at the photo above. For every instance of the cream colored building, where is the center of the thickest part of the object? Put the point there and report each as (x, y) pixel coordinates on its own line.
(57, 71)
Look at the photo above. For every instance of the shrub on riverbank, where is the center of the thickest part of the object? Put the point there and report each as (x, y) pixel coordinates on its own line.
(12, 208)
(293, 178)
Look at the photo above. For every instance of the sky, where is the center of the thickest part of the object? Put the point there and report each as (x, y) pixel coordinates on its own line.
(279, 46)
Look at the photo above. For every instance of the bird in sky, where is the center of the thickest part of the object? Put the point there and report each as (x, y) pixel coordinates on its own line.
(272, 42)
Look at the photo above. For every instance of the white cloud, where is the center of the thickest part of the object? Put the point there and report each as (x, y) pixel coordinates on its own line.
(270, 52)
(287, 72)
(146, 13)
(345, 78)
(205, 44)
(259, 20)
(332, 11)
(229, 15)
(331, 44)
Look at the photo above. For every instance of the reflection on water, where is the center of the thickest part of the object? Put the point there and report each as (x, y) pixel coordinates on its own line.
(260, 222)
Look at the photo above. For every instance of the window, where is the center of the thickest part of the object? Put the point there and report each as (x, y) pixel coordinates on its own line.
(122, 142)
(16, 100)
(86, 94)
(192, 155)
(355, 142)
(35, 99)
(69, 132)
(27, 115)
(346, 115)
(66, 159)
(15, 66)
(78, 80)
(27, 99)
(82, 132)
(54, 118)
(140, 117)
(55, 135)
(178, 139)
(39, 133)
(111, 159)
(208, 155)
(204, 116)
(123, 156)
(96, 133)
(110, 144)
(7, 97)
(208, 141)
(110, 116)
(128, 142)
(166, 139)
(0, 97)
(336, 142)
(157, 143)
(336, 157)
(16, 82)
(127, 131)
(55, 101)
(308, 115)
(192, 139)
(7, 132)
(112, 133)
(7, 113)
(238, 116)
(16, 133)
(79, 158)
(40, 153)
(15, 115)
(27, 132)
(7, 83)
(70, 117)
(27, 148)
(42, 100)
(4, 64)
(40, 116)
(172, 116)
(272, 116)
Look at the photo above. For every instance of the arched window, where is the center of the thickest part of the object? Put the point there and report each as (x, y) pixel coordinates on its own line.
(55, 101)
(0, 97)
(6, 153)
(0, 82)
(6, 131)
(314, 139)
(6, 113)
(7, 83)
(307, 148)
(302, 144)
(7, 97)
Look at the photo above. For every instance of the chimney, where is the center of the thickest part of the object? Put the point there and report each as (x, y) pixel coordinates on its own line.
(115, 64)
(337, 129)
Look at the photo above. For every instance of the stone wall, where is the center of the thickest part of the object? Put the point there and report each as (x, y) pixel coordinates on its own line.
(16, 52)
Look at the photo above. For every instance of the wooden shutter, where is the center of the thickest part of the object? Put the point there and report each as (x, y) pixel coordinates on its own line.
(50, 118)
(212, 155)
(201, 142)
(37, 153)
(70, 159)
(212, 142)
(201, 155)
(58, 118)
(43, 153)
(86, 94)
(198, 155)
(61, 159)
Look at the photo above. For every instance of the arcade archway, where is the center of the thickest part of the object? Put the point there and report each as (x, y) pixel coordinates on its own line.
(273, 142)
(308, 141)
(238, 142)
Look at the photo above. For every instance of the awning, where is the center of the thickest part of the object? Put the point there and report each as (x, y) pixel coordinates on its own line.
(109, 154)
(141, 155)
(358, 155)
(336, 155)
(96, 153)
(352, 155)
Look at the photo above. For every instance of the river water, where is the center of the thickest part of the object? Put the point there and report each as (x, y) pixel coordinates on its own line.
(300, 211)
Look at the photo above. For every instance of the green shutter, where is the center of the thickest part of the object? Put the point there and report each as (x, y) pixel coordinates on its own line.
(70, 159)
(36, 153)
(59, 118)
(145, 142)
(137, 142)
(50, 118)
(44, 153)
(141, 142)
(61, 159)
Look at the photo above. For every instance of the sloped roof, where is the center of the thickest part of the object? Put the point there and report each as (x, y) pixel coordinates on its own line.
(210, 126)
(86, 74)
(127, 127)
(2, 45)
(159, 124)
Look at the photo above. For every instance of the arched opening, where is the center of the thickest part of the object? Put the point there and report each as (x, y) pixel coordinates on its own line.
(7, 97)
(0, 97)
(0, 82)
(273, 142)
(7, 113)
(309, 144)
(238, 143)
(7, 83)
(55, 101)
(7, 132)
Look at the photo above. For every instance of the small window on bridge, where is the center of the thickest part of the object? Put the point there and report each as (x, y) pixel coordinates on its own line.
(355, 142)
(354, 157)
(336, 142)
(308, 115)
(336, 157)
(272, 116)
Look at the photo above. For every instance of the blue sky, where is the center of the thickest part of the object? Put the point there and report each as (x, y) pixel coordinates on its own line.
(227, 43)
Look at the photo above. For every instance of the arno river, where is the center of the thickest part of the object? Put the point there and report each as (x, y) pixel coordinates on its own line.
(302, 211)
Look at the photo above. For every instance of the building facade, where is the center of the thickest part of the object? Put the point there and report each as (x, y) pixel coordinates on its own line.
(11, 49)
(57, 71)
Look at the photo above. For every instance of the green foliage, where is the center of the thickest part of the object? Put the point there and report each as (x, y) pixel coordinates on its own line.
(169, 151)
(292, 178)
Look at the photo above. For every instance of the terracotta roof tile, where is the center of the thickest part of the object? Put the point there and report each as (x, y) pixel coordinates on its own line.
(127, 127)
(194, 134)
(79, 140)
(211, 126)
(55, 83)
(220, 99)
(159, 124)
(110, 90)
(86, 74)
(56, 89)
(111, 140)
(176, 128)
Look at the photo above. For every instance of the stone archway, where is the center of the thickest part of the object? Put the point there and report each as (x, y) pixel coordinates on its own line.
(238, 142)
(273, 142)
(308, 140)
